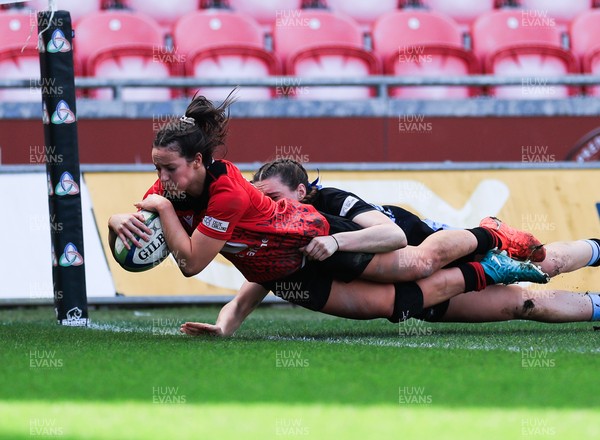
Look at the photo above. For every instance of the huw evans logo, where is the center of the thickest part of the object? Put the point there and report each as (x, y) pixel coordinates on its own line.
(67, 185)
(63, 114)
(58, 42)
(70, 256)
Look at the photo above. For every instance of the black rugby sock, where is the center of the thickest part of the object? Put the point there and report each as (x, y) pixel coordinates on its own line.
(475, 277)
(486, 240)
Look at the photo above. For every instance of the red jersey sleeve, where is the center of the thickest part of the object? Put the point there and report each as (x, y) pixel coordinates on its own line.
(155, 189)
(228, 202)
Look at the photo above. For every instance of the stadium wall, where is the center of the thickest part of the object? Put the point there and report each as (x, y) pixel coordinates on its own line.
(376, 130)
(414, 138)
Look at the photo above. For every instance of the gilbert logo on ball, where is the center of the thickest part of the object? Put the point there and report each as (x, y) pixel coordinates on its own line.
(152, 252)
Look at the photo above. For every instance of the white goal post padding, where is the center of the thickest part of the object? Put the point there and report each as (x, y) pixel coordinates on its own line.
(26, 268)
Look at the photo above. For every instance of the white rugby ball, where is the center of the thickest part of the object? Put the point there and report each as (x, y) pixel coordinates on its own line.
(152, 252)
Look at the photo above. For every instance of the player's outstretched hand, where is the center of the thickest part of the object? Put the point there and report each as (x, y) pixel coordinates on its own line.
(201, 329)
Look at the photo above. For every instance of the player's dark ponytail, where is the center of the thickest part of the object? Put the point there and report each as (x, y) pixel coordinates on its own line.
(202, 129)
(290, 172)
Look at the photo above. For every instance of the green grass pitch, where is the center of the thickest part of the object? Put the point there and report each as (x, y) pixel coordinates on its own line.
(294, 374)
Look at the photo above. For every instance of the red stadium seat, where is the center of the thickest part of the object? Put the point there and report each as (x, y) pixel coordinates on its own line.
(554, 12)
(464, 12)
(585, 43)
(509, 46)
(122, 44)
(324, 44)
(363, 12)
(19, 58)
(166, 13)
(218, 44)
(77, 8)
(268, 13)
(422, 43)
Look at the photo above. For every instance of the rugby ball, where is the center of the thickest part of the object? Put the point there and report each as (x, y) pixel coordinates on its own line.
(152, 252)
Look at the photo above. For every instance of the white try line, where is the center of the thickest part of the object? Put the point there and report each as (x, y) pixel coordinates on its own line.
(399, 343)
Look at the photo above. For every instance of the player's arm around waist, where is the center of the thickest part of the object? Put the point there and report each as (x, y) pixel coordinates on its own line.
(379, 234)
(193, 253)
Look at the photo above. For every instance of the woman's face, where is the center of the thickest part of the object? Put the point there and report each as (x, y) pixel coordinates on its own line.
(176, 174)
(274, 188)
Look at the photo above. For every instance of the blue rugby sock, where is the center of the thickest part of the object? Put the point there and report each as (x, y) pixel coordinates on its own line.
(595, 298)
(595, 244)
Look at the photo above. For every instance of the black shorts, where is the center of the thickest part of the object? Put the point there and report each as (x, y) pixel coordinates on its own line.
(433, 313)
(310, 286)
(415, 229)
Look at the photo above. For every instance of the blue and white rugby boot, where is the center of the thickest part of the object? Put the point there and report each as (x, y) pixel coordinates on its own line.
(504, 270)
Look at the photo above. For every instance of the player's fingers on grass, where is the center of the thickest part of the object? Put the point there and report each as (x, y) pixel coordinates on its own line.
(198, 325)
(200, 328)
(188, 331)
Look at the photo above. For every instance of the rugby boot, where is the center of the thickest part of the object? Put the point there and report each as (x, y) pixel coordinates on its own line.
(505, 270)
(520, 245)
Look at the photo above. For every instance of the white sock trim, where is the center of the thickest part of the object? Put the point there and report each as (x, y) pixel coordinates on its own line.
(595, 252)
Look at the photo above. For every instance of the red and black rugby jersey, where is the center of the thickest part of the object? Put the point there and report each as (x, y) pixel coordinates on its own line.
(263, 236)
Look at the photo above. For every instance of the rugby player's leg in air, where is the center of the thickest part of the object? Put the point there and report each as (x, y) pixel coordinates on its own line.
(444, 247)
(502, 303)
(494, 303)
(495, 268)
(567, 256)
